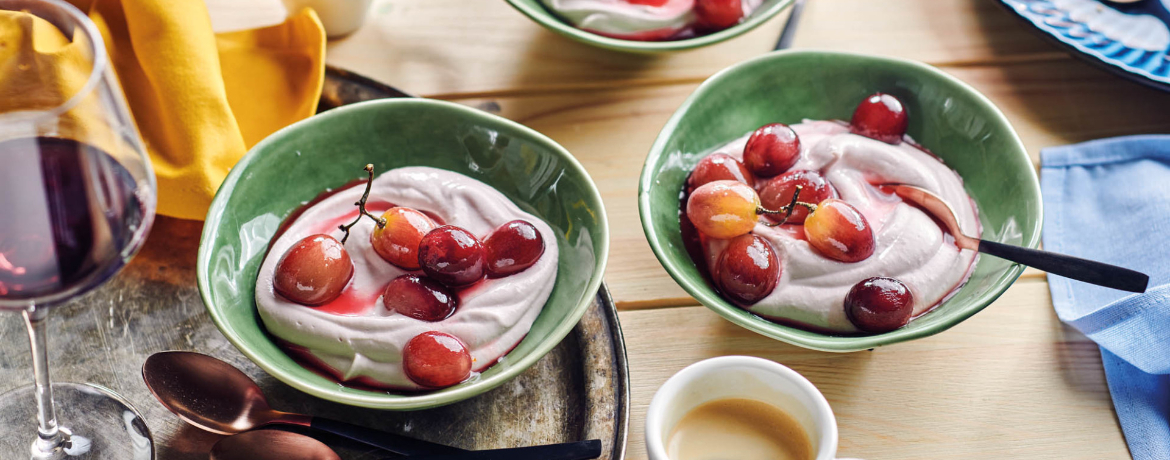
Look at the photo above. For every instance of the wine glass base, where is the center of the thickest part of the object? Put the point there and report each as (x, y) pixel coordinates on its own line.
(101, 425)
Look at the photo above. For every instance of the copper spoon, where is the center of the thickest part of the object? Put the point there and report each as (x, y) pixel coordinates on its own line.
(214, 396)
(1089, 271)
(271, 444)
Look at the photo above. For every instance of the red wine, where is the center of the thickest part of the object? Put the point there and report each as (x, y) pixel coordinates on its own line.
(70, 217)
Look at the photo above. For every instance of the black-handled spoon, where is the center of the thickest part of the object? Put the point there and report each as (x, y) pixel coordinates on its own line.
(1089, 271)
(215, 396)
(283, 445)
(582, 450)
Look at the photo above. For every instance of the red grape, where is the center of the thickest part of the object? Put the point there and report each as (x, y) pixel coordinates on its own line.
(723, 209)
(777, 193)
(748, 269)
(879, 305)
(419, 298)
(436, 360)
(452, 256)
(512, 248)
(314, 271)
(771, 150)
(838, 231)
(718, 14)
(398, 241)
(719, 166)
(882, 117)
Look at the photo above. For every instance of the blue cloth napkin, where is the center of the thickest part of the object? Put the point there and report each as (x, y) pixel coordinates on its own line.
(1109, 200)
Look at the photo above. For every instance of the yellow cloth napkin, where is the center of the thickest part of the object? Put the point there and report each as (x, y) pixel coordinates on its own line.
(200, 100)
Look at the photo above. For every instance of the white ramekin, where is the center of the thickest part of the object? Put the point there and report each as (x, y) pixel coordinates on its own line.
(741, 377)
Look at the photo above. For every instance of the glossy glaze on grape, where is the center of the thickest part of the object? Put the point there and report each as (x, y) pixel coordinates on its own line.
(723, 209)
(719, 166)
(777, 193)
(880, 116)
(714, 15)
(452, 256)
(420, 298)
(837, 230)
(771, 150)
(436, 360)
(879, 304)
(314, 271)
(748, 269)
(512, 248)
(397, 242)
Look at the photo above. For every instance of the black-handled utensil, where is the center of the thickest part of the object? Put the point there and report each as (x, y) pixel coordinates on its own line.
(1089, 271)
(215, 396)
(582, 450)
(789, 30)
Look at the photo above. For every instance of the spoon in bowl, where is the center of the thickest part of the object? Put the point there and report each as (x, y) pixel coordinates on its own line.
(1098, 273)
(214, 396)
(282, 445)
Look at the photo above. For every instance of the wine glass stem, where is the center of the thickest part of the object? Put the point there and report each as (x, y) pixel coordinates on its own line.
(49, 436)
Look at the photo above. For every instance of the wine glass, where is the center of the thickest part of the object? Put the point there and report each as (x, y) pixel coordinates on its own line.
(77, 197)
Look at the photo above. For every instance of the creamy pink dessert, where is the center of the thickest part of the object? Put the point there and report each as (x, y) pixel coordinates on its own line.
(420, 318)
(652, 20)
(863, 260)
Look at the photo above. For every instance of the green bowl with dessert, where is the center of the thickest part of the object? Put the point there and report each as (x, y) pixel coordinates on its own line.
(650, 26)
(843, 264)
(402, 254)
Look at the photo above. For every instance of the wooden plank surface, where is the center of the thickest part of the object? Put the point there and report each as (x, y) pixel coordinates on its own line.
(1011, 382)
(455, 48)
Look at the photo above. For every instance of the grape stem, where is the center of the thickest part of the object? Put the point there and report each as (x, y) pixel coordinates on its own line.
(361, 204)
(787, 210)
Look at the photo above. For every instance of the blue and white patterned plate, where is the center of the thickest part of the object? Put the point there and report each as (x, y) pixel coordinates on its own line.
(1131, 38)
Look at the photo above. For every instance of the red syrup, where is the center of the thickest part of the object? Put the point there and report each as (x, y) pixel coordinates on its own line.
(693, 243)
(306, 359)
(354, 303)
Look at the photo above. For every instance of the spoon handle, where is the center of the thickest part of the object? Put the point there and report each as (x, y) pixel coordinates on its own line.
(389, 442)
(583, 450)
(1110, 276)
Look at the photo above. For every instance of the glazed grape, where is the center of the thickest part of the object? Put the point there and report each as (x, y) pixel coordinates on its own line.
(838, 231)
(512, 248)
(748, 269)
(723, 209)
(314, 271)
(452, 256)
(397, 242)
(419, 298)
(719, 166)
(882, 117)
(718, 14)
(879, 305)
(777, 193)
(436, 360)
(771, 150)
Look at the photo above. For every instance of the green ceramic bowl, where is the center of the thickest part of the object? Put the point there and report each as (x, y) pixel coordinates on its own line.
(947, 116)
(536, 10)
(297, 163)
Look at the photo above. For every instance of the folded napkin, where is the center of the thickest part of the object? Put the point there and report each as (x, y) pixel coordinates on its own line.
(200, 100)
(1109, 200)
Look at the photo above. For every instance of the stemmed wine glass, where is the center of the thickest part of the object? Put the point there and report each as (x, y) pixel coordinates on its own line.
(77, 197)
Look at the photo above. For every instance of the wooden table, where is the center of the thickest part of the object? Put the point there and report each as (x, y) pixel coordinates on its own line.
(1011, 382)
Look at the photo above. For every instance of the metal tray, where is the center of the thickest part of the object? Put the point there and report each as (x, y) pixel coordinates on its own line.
(578, 391)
